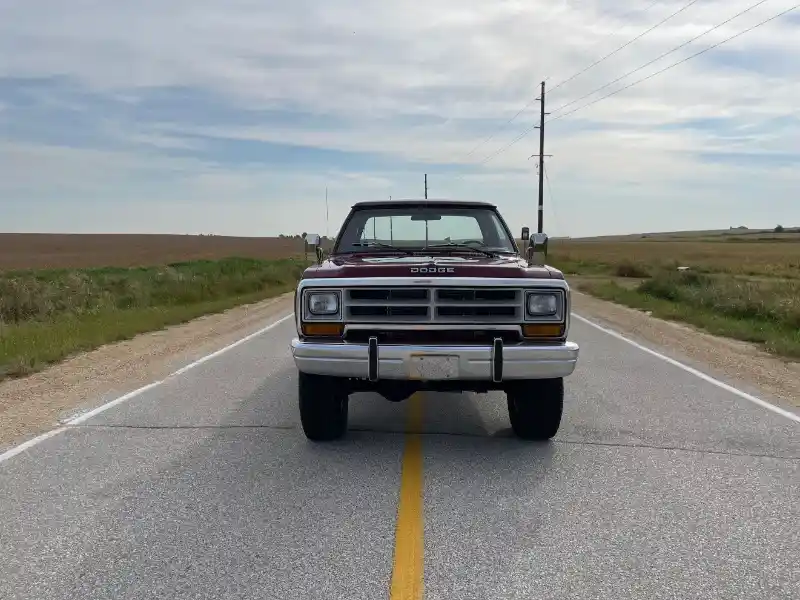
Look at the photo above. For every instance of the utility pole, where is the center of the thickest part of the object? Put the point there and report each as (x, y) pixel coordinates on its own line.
(426, 186)
(541, 163)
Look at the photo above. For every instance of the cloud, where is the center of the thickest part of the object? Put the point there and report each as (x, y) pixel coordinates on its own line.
(114, 115)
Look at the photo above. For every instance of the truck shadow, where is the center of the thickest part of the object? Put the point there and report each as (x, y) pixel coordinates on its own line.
(455, 414)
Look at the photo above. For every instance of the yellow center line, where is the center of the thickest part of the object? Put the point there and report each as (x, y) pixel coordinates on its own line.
(408, 545)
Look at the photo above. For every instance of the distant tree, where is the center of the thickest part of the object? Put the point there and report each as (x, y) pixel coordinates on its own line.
(779, 229)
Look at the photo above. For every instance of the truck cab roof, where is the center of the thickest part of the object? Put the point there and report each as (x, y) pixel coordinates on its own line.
(423, 202)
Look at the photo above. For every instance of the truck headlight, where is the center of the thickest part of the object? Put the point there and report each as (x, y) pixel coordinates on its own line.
(541, 305)
(323, 303)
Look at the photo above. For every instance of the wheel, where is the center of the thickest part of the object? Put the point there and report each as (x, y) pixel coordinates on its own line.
(535, 408)
(324, 405)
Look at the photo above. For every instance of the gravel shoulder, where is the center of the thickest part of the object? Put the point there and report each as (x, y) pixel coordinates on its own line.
(37, 403)
(731, 359)
(34, 404)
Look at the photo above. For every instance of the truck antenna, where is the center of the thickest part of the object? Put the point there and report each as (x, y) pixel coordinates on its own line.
(326, 211)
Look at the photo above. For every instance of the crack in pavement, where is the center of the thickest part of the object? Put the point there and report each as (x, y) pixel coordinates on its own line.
(430, 433)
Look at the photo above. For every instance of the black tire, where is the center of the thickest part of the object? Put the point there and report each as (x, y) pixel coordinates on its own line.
(324, 404)
(535, 408)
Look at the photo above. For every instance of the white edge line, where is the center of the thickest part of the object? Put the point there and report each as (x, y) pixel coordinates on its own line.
(750, 398)
(29, 444)
(104, 407)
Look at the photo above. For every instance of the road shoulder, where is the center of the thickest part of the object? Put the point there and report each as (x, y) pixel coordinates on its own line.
(36, 403)
(732, 359)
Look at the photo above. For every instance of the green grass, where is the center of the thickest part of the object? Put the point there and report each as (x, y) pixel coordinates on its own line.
(746, 291)
(764, 312)
(46, 316)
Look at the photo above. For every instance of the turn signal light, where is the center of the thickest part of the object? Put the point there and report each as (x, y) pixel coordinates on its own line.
(543, 330)
(323, 329)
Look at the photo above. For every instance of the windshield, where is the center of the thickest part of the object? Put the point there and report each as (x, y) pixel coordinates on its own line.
(438, 229)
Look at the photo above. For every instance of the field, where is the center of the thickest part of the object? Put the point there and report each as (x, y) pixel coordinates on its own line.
(752, 258)
(65, 251)
(60, 294)
(745, 286)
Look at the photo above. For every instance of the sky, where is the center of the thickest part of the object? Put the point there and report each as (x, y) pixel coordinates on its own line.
(232, 117)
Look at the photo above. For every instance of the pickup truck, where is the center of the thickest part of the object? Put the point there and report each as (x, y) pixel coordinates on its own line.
(432, 295)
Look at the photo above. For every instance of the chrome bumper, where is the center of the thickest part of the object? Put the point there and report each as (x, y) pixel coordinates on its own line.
(489, 363)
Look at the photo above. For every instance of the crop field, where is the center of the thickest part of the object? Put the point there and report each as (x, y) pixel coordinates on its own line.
(58, 251)
(742, 286)
(758, 257)
(61, 294)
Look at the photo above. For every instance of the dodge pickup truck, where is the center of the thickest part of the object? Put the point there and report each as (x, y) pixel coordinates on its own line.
(432, 295)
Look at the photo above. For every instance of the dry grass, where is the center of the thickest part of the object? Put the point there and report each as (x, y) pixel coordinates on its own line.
(757, 258)
(736, 309)
(63, 293)
(47, 315)
(72, 251)
(742, 286)
(748, 288)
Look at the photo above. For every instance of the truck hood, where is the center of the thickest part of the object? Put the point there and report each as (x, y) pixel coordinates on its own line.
(365, 265)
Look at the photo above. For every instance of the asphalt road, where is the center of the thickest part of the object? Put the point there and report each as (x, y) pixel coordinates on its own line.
(659, 485)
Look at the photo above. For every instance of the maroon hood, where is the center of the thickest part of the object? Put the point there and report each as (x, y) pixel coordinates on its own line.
(383, 265)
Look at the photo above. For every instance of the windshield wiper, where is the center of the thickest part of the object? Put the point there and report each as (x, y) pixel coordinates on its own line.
(497, 250)
(463, 246)
(373, 244)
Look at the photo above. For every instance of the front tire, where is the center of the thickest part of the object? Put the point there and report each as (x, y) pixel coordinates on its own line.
(535, 408)
(324, 404)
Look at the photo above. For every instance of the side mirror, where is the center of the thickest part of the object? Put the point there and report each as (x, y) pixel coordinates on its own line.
(526, 234)
(314, 240)
(537, 250)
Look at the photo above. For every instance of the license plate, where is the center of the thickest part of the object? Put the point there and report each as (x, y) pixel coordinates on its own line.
(428, 367)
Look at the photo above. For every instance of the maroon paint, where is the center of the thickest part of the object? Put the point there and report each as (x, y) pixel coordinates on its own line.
(353, 265)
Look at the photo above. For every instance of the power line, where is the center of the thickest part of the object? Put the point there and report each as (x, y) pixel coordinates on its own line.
(641, 35)
(706, 32)
(683, 60)
(528, 130)
(496, 131)
(524, 108)
(625, 16)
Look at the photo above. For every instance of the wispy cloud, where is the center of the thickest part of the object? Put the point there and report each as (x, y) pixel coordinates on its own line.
(119, 116)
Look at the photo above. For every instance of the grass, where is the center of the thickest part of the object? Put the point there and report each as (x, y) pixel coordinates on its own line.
(48, 315)
(745, 286)
(81, 251)
(747, 290)
(761, 258)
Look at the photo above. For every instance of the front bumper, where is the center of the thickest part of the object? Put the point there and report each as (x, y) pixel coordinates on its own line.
(398, 362)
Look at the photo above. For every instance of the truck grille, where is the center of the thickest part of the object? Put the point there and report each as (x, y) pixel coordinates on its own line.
(433, 305)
